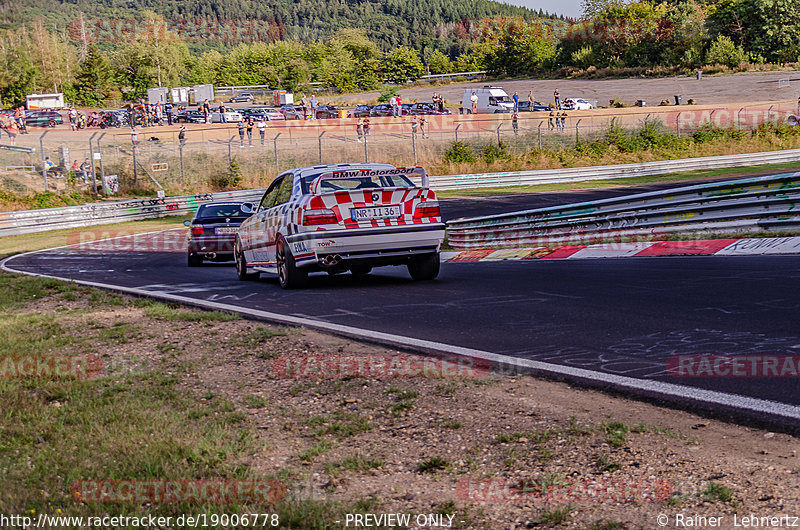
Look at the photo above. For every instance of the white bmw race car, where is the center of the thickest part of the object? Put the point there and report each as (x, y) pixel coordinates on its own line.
(342, 217)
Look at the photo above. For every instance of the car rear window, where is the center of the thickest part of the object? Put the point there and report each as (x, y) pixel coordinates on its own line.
(220, 211)
(358, 183)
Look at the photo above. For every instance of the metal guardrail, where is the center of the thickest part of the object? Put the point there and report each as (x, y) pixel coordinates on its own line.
(31, 221)
(738, 205)
(639, 169)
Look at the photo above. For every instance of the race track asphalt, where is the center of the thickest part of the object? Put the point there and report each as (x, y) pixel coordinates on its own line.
(617, 316)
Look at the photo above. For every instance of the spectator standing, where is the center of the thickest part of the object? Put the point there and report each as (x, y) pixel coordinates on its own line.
(366, 126)
(206, 110)
(563, 120)
(393, 103)
(514, 123)
(134, 137)
(222, 113)
(304, 103)
(313, 102)
(241, 132)
(85, 168)
(414, 124)
(360, 129)
(422, 128)
(250, 131)
(557, 99)
(168, 111)
(262, 128)
(515, 99)
(73, 117)
(474, 99)
(12, 131)
(182, 136)
(530, 100)
(550, 120)
(399, 106)
(159, 112)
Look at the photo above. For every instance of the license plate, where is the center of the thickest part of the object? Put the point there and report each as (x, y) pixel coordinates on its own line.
(227, 230)
(376, 212)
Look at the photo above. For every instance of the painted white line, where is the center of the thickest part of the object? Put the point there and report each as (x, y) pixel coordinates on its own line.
(760, 246)
(612, 250)
(618, 382)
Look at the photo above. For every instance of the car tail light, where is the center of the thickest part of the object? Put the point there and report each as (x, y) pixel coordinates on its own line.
(198, 230)
(319, 216)
(427, 209)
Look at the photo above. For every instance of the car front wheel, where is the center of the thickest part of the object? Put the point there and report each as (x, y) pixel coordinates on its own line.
(425, 267)
(289, 276)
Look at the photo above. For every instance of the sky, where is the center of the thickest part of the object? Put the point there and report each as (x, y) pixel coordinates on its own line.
(570, 8)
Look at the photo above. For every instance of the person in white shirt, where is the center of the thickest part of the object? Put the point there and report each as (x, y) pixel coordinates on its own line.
(262, 128)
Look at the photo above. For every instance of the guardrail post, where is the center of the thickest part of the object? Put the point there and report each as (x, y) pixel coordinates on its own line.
(678, 124)
(498, 134)
(230, 155)
(769, 112)
(577, 138)
(366, 151)
(711, 117)
(275, 146)
(456, 131)
(100, 153)
(320, 145)
(180, 154)
(540, 134)
(738, 121)
(91, 157)
(41, 149)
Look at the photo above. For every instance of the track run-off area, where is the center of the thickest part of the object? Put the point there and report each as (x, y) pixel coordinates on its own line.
(621, 324)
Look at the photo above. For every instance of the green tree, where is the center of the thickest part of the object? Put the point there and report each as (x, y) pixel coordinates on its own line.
(93, 78)
(19, 74)
(724, 51)
(439, 63)
(403, 65)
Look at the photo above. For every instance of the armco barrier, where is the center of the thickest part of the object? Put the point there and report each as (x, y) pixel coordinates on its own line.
(739, 205)
(555, 176)
(30, 221)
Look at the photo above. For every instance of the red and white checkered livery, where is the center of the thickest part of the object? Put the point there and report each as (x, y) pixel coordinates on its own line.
(342, 217)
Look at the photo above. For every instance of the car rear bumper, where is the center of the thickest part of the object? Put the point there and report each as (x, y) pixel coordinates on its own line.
(211, 244)
(378, 245)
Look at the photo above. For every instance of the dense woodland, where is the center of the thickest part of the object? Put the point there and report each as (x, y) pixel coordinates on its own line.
(113, 49)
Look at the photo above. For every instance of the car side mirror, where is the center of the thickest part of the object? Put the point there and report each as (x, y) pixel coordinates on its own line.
(247, 207)
(187, 223)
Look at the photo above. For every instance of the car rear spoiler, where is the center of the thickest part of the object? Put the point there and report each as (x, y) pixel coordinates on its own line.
(411, 172)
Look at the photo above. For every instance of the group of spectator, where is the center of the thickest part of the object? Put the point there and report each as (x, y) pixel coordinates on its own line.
(556, 120)
(395, 102)
(246, 126)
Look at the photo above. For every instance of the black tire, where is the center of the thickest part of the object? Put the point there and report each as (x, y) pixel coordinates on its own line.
(241, 264)
(360, 270)
(289, 276)
(424, 267)
(193, 260)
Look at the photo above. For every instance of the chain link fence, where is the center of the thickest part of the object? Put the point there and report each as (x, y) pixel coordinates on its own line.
(217, 157)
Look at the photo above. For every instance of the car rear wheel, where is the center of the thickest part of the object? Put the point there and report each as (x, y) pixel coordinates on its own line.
(424, 267)
(289, 276)
(241, 264)
(193, 260)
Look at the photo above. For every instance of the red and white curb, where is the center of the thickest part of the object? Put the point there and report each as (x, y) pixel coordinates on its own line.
(703, 247)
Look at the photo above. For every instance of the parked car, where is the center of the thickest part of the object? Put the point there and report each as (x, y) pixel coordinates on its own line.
(342, 217)
(190, 116)
(212, 231)
(231, 116)
(525, 106)
(267, 113)
(383, 110)
(327, 111)
(42, 118)
(361, 111)
(294, 112)
(244, 97)
(427, 108)
(576, 104)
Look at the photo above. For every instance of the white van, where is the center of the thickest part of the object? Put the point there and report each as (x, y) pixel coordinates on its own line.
(491, 100)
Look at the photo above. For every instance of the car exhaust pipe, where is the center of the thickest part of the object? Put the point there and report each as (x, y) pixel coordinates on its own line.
(210, 255)
(331, 260)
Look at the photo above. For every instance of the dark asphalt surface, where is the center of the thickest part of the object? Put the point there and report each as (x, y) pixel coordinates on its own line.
(622, 316)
